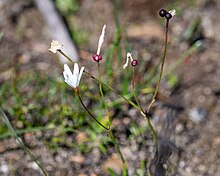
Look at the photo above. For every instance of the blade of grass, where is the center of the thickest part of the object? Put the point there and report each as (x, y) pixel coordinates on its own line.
(22, 145)
(36, 129)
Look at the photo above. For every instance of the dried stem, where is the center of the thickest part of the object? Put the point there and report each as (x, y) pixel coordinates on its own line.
(161, 69)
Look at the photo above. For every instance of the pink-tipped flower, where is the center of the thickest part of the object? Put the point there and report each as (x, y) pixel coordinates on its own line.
(97, 57)
(134, 62)
(129, 57)
(55, 46)
(73, 79)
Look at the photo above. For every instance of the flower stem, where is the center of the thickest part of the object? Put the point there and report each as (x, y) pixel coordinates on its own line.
(116, 146)
(107, 129)
(103, 97)
(142, 111)
(153, 132)
(109, 118)
(162, 66)
(133, 89)
(91, 114)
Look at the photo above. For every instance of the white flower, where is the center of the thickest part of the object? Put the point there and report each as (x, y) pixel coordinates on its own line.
(72, 79)
(101, 40)
(172, 12)
(54, 46)
(129, 57)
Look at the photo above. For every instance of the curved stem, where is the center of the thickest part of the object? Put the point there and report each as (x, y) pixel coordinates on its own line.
(161, 69)
(91, 114)
(107, 129)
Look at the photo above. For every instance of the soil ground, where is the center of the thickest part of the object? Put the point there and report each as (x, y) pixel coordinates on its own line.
(195, 134)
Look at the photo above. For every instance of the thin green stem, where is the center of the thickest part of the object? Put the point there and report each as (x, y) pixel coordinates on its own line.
(107, 109)
(134, 91)
(162, 66)
(153, 132)
(64, 54)
(22, 145)
(91, 114)
(107, 129)
(142, 111)
(102, 95)
(116, 146)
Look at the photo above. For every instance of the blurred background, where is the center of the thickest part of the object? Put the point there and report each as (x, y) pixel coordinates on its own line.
(48, 117)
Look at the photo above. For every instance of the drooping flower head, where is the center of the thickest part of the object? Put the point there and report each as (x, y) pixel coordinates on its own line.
(55, 46)
(97, 57)
(73, 79)
(134, 62)
(168, 15)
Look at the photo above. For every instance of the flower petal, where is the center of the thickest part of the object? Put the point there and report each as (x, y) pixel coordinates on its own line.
(101, 40)
(129, 57)
(172, 12)
(54, 46)
(80, 75)
(67, 79)
(75, 74)
(68, 76)
(67, 70)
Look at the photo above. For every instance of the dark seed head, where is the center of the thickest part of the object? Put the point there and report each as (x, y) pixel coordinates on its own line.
(97, 57)
(168, 16)
(134, 62)
(162, 12)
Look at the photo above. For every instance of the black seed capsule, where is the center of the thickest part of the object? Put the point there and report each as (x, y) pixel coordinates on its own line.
(162, 12)
(134, 62)
(168, 16)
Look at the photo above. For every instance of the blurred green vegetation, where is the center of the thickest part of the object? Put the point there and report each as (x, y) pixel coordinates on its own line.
(37, 100)
(67, 6)
(67, 9)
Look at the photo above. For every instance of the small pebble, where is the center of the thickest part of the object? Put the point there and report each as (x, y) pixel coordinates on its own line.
(197, 114)
(4, 168)
(179, 128)
(182, 164)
